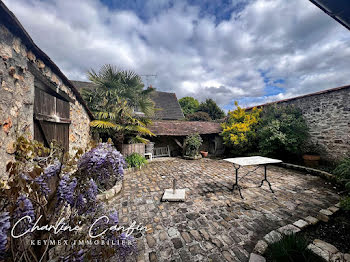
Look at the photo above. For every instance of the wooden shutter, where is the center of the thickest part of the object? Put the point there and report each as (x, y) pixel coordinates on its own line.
(51, 114)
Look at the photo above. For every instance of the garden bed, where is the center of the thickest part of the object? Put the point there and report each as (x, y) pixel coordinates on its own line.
(335, 231)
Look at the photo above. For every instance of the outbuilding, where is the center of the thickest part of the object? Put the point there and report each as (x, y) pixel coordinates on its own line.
(36, 98)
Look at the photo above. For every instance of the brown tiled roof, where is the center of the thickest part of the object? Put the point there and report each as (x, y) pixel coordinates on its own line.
(298, 97)
(183, 128)
(167, 105)
(12, 23)
(168, 108)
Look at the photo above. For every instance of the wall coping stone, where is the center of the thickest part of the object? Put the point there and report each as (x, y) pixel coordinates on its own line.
(316, 247)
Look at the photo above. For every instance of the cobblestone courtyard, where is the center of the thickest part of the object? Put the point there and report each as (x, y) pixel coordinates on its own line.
(214, 224)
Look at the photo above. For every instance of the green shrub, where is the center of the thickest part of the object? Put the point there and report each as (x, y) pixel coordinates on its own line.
(291, 248)
(136, 160)
(198, 116)
(192, 144)
(345, 203)
(282, 132)
(342, 172)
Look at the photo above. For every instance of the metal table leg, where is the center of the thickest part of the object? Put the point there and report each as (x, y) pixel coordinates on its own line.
(236, 183)
(265, 179)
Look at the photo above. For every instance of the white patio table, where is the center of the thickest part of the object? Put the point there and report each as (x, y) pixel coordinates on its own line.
(258, 161)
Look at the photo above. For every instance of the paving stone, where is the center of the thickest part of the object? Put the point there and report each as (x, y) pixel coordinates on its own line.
(325, 246)
(215, 258)
(163, 236)
(260, 247)
(239, 254)
(196, 235)
(256, 258)
(172, 232)
(326, 212)
(204, 234)
(192, 216)
(301, 224)
(272, 237)
(228, 256)
(186, 237)
(227, 240)
(153, 257)
(333, 209)
(177, 243)
(217, 242)
(311, 220)
(288, 229)
(318, 251)
(150, 241)
(195, 249)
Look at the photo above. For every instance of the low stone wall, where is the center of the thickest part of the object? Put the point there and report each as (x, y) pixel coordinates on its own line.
(275, 235)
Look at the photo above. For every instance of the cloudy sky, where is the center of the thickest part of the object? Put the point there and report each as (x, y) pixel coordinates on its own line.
(252, 51)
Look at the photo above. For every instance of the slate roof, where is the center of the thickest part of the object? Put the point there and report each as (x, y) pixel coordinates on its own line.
(168, 106)
(166, 103)
(184, 128)
(16, 28)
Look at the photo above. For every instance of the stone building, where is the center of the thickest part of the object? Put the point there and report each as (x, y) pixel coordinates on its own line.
(36, 98)
(327, 114)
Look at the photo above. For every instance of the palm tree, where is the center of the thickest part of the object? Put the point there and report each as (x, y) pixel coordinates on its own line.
(113, 100)
(112, 83)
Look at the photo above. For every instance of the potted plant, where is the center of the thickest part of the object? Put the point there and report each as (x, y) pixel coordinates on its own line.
(311, 154)
(204, 153)
(192, 144)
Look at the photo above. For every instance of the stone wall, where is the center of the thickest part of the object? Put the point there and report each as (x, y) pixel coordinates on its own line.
(17, 98)
(328, 117)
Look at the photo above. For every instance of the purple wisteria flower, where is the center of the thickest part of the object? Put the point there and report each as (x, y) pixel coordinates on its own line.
(102, 163)
(66, 188)
(24, 208)
(49, 172)
(75, 257)
(114, 218)
(91, 193)
(4, 227)
(127, 246)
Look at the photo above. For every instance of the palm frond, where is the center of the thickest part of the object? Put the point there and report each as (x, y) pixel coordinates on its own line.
(102, 124)
(138, 139)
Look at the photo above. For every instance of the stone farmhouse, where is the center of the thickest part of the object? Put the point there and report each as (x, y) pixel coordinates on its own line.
(36, 98)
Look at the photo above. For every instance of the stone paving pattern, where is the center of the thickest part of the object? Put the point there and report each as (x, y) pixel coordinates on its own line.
(214, 223)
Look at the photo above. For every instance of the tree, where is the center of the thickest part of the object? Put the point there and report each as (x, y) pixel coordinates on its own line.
(189, 105)
(283, 131)
(113, 101)
(113, 84)
(120, 124)
(198, 116)
(213, 110)
(239, 130)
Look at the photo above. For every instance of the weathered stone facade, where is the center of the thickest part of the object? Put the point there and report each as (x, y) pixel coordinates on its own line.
(17, 97)
(328, 117)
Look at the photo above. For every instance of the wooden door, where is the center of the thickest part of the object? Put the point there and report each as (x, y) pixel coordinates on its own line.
(51, 115)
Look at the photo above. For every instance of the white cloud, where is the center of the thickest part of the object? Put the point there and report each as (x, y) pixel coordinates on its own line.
(191, 53)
